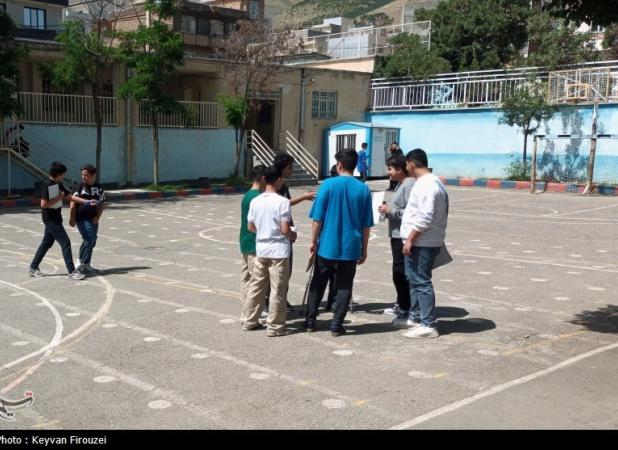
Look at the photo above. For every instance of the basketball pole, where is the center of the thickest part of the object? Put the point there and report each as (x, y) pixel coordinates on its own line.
(589, 189)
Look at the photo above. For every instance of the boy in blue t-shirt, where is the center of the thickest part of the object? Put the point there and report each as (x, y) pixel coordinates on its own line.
(361, 163)
(342, 218)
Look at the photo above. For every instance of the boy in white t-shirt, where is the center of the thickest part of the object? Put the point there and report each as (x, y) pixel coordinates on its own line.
(269, 218)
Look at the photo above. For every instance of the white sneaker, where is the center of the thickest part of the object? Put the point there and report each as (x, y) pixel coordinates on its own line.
(404, 322)
(263, 317)
(393, 310)
(76, 275)
(421, 332)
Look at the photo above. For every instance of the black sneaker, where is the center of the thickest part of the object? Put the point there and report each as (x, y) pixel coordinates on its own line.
(338, 332)
(309, 326)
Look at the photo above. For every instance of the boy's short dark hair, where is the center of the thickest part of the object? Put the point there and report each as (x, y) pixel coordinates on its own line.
(418, 157)
(57, 168)
(272, 174)
(282, 160)
(348, 158)
(364, 145)
(90, 168)
(397, 162)
(258, 172)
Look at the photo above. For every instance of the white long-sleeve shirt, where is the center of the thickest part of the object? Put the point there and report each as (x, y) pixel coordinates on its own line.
(426, 212)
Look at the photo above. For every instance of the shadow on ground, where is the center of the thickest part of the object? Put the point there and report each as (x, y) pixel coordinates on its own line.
(603, 320)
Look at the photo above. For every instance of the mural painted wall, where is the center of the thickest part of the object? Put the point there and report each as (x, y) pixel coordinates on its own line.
(471, 143)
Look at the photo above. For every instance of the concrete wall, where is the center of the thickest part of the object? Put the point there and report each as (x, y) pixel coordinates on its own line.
(471, 143)
(184, 154)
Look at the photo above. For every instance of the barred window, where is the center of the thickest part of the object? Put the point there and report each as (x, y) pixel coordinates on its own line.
(324, 105)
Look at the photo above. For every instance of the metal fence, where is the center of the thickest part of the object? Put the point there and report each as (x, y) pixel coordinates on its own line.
(363, 42)
(490, 88)
(193, 114)
(66, 109)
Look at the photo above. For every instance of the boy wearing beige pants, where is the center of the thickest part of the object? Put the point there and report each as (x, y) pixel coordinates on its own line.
(269, 218)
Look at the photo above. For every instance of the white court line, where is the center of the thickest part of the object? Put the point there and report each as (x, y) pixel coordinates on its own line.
(529, 220)
(47, 349)
(585, 210)
(502, 387)
(546, 263)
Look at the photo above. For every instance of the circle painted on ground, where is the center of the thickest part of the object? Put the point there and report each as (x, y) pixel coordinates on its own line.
(420, 375)
(484, 273)
(343, 352)
(529, 251)
(152, 339)
(575, 256)
(501, 288)
(200, 356)
(109, 325)
(73, 314)
(574, 273)
(488, 352)
(159, 404)
(447, 280)
(595, 288)
(227, 321)
(144, 300)
(515, 243)
(475, 240)
(454, 297)
(538, 280)
(58, 360)
(562, 299)
(602, 251)
(104, 379)
(519, 267)
(259, 376)
(470, 261)
(333, 403)
(485, 248)
(182, 310)
(17, 294)
(20, 343)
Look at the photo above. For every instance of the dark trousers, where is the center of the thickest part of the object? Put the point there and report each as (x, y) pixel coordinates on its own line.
(399, 275)
(363, 175)
(54, 232)
(344, 280)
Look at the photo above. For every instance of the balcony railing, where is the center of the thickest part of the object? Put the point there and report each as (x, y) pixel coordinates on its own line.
(363, 42)
(194, 114)
(490, 88)
(66, 109)
(36, 34)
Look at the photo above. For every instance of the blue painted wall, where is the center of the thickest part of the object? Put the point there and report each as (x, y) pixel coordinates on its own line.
(471, 143)
(184, 154)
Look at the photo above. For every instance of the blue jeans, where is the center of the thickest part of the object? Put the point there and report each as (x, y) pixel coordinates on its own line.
(422, 297)
(89, 234)
(54, 232)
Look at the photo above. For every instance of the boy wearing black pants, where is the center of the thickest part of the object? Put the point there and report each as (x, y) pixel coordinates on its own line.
(52, 194)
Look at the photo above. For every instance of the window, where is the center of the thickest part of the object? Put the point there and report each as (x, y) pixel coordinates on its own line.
(216, 28)
(324, 105)
(187, 24)
(254, 9)
(346, 142)
(408, 13)
(34, 18)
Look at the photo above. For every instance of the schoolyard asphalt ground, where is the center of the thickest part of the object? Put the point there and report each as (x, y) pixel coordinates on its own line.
(528, 317)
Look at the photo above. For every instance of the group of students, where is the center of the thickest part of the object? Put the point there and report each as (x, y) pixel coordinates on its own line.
(87, 204)
(342, 217)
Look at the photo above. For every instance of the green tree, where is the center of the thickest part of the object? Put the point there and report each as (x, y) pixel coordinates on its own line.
(478, 34)
(554, 43)
(10, 55)
(411, 59)
(236, 110)
(153, 52)
(610, 41)
(89, 50)
(598, 12)
(526, 107)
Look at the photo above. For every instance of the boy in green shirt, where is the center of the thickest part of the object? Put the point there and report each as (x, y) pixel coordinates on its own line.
(247, 238)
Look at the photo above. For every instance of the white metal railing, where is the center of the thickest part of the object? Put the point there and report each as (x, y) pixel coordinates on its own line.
(363, 42)
(583, 85)
(193, 114)
(259, 148)
(481, 88)
(302, 156)
(66, 109)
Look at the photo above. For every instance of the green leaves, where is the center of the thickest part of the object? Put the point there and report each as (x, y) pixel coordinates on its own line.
(411, 59)
(235, 109)
(526, 105)
(599, 12)
(478, 34)
(10, 56)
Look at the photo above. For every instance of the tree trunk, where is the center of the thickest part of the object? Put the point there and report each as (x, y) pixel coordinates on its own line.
(525, 148)
(237, 157)
(98, 119)
(155, 148)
